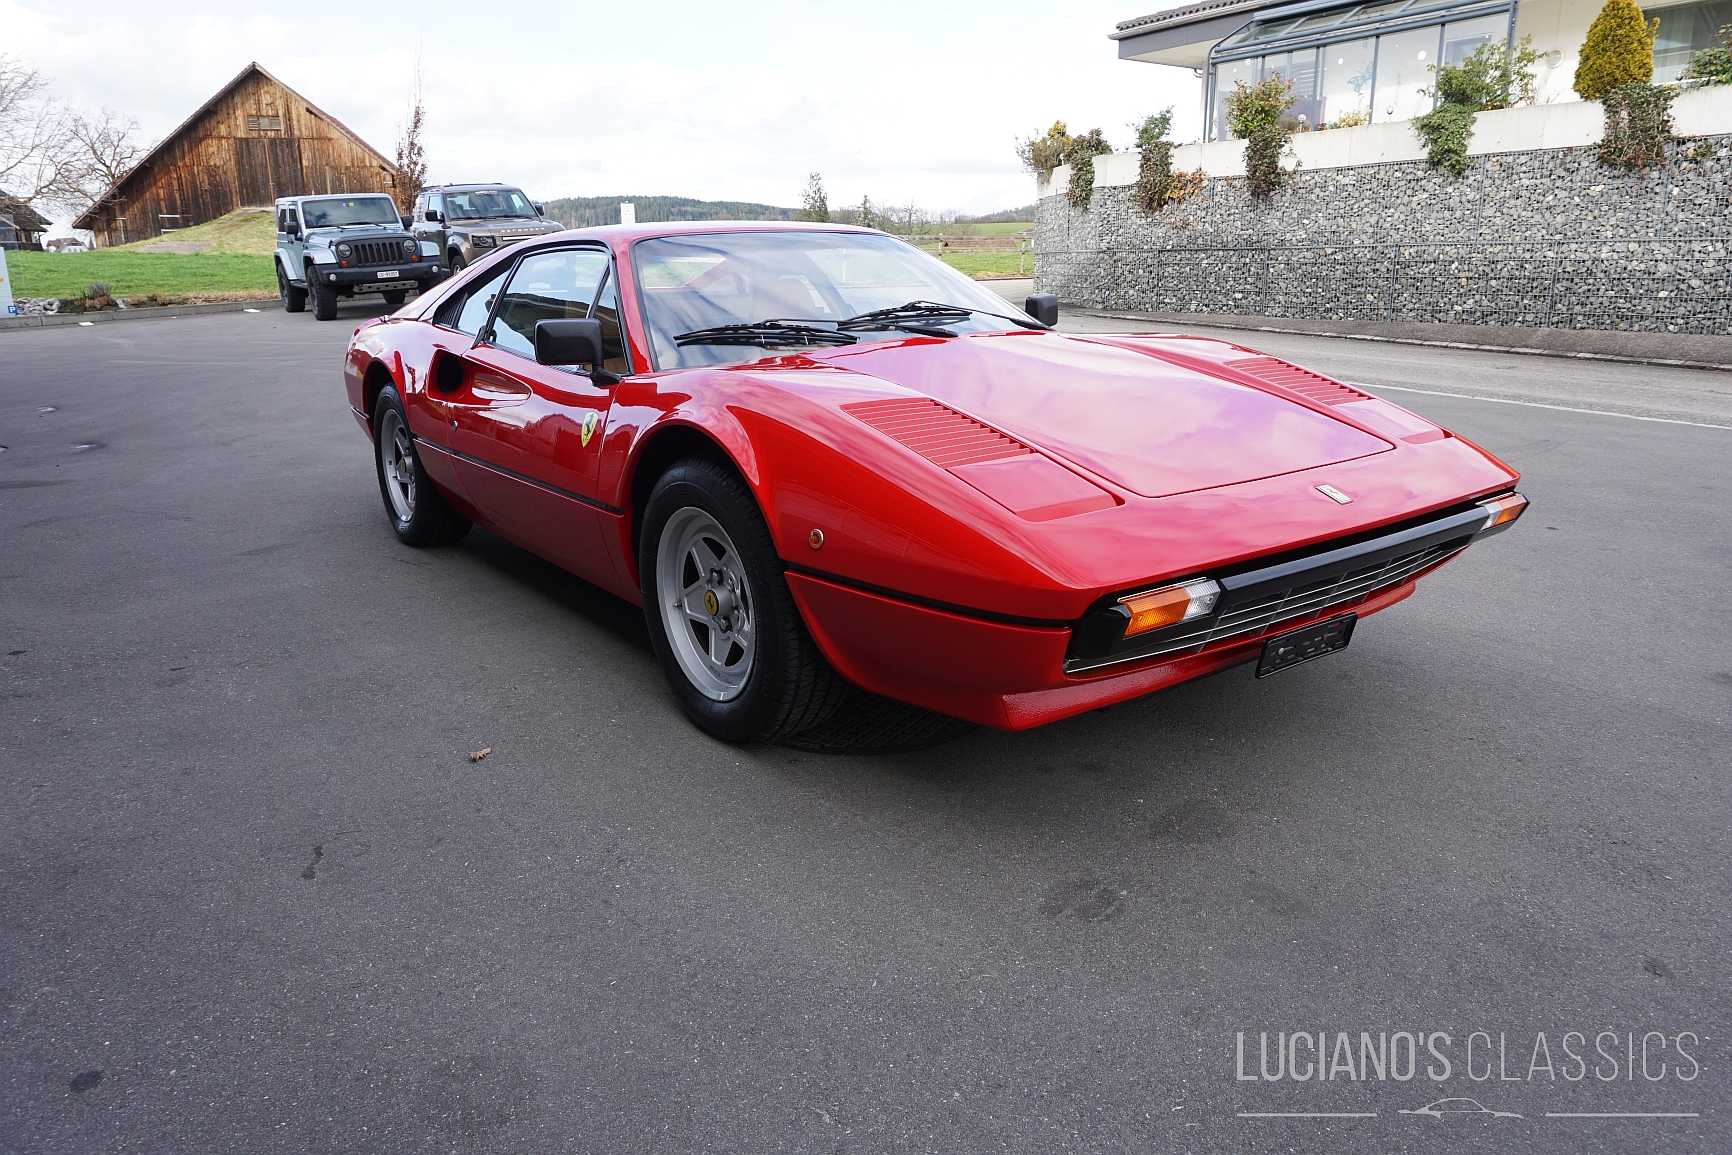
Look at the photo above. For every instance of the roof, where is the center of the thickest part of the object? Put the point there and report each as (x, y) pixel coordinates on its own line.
(1190, 14)
(243, 74)
(643, 229)
(23, 216)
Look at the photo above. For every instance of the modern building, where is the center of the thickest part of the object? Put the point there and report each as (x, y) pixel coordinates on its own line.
(1348, 60)
(254, 141)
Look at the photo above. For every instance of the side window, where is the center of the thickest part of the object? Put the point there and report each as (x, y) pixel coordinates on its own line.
(612, 340)
(293, 218)
(467, 311)
(282, 219)
(547, 287)
(435, 202)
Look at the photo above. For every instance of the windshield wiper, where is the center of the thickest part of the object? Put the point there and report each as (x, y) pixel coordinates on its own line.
(917, 311)
(775, 332)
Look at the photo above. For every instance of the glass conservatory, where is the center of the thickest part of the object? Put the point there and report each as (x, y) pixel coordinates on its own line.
(1361, 62)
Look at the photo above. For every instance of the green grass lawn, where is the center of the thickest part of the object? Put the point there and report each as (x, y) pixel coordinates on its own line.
(989, 264)
(994, 228)
(133, 274)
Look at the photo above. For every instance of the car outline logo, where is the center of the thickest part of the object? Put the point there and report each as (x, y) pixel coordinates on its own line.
(1478, 1108)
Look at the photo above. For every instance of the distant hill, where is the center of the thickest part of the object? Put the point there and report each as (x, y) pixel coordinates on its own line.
(1023, 215)
(582, 212)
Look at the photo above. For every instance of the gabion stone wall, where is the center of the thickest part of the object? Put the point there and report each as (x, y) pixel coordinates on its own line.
(1548, 239)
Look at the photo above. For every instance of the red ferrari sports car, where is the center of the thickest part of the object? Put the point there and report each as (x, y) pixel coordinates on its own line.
(821, 459)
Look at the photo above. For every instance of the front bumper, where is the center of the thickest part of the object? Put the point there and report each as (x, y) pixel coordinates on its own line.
(995, 673)
(1017, 674)
(383, 277)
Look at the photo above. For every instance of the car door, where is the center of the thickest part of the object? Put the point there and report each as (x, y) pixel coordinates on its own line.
(290, 242)
(428, 222)
(449, 388)
(527, 437)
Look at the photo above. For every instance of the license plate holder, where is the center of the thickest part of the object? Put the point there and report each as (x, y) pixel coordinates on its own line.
(1305, 644)
(389, 273)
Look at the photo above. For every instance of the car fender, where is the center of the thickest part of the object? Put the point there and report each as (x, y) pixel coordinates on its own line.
(291, 268)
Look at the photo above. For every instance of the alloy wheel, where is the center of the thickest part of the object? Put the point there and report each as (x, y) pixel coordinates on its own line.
(397, 458)
(707, 605)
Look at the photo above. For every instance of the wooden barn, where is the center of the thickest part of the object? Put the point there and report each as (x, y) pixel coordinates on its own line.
(254, 141)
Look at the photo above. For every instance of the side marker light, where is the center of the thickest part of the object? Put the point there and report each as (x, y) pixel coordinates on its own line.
(1503, 510)
(1169, 605)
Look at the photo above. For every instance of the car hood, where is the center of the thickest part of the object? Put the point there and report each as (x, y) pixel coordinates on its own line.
(353, 233)
(506, 225)
(1154, 428)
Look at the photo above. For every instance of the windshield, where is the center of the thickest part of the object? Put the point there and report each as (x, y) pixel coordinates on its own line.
(479, 204)
(326, 214)
(802, 279)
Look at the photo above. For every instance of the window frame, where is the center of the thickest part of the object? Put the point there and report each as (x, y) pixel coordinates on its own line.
(610, 273)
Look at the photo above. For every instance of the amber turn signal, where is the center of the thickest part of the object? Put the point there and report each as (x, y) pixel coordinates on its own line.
(1503, 510)
(1169, 605)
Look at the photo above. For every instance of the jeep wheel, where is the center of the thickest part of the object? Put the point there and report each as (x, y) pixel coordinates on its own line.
(396, 296)
(294, 300)
(324, 298)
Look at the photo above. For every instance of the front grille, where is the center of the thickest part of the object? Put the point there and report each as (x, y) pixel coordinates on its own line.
(364, 253)
(1253, 618)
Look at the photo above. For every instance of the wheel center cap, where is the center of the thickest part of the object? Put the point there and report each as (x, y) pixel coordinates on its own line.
(712, 603)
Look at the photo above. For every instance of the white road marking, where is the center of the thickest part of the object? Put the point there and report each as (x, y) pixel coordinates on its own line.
(1621, 1115)
(1540, 405)
(1307, 1114)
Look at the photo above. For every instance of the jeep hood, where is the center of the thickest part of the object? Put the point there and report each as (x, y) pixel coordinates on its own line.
(1154, 428)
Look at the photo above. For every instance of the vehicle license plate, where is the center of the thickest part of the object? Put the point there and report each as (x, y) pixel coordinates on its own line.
(389, 273)
(1305, 644)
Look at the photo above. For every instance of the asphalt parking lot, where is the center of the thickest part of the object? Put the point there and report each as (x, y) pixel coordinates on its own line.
(258, 898)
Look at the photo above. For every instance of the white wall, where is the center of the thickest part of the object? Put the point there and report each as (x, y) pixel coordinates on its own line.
(1696, 112)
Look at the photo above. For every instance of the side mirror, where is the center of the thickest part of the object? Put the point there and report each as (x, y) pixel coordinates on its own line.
(433, 215)
(539, 210)
(408, 221)
(1043, 307)
(293, 228)
(572, 343)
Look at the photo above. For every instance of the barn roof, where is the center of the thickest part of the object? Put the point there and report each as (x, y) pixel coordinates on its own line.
(87, 219)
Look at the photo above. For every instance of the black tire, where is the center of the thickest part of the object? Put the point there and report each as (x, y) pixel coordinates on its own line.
(866, 723)
(294, 300)
(324, 298)
(421, 516)
(396, 296)
(788, 687)
(457, 263)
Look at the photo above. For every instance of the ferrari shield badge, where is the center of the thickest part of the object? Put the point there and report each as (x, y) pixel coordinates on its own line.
(590, 421)
(1328, 491)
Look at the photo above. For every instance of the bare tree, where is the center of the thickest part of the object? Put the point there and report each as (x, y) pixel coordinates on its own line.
(411, 155)
(107, 147)
(37, 156)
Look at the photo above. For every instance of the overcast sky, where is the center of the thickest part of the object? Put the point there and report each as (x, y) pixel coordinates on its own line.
(721, 101)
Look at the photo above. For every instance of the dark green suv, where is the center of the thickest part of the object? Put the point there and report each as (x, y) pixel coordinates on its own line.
(468, 221)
